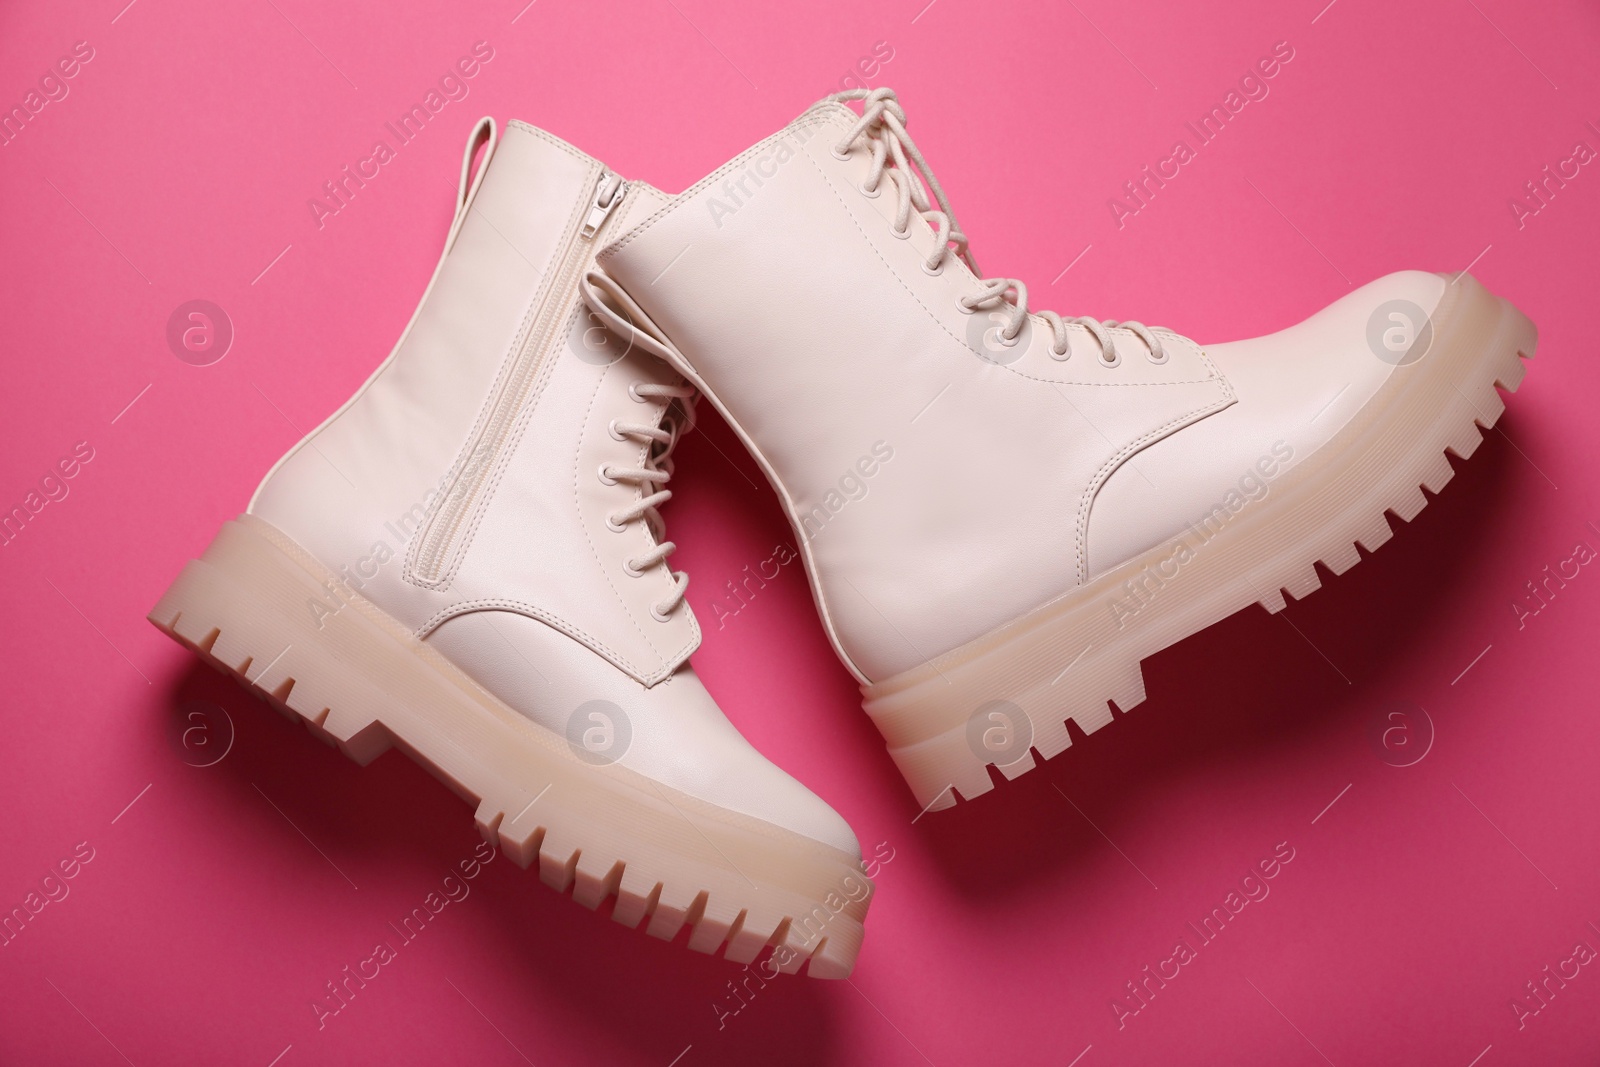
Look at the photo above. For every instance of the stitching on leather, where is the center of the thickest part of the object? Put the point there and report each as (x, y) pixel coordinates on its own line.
(1128, 449)
(1081, 534)
(521, 607)
(821, 118)
(692, 642)
(508, 450)
(831, 117)
(1229, 398)
(577, 505)
(554, 141)
(1083, 330)
(832, 188)
(1221, 378)
(649, 677)
(507, 365)
(670, 660)
(595, 549)
(519, 428)
(828, 183)
(463, 454)
(1176, 337)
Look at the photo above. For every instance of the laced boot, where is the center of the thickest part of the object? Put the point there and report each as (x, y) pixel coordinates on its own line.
(467, 560)
(1002, 512)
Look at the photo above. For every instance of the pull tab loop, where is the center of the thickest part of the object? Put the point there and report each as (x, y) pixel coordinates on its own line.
(485, 135)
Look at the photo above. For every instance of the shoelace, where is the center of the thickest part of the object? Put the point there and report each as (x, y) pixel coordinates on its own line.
(883, 126)
(653, 473)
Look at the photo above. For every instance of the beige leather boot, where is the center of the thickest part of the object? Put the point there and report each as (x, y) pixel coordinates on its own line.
(1003, 512)
(467, 561)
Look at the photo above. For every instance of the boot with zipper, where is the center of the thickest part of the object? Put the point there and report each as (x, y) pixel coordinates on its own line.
(467, 561)
(1002, 512)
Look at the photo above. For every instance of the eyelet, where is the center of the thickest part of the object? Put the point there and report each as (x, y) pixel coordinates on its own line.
(1116, 357)
(1061, 357)
(901, 234)
(614, 526)
(1165, 355)
(615, 435)
(871, 194)
(605, 479)
(633, 392)
(1000, 338)
(964, 309)
(657, 614)
(631, 571)
(840, 155)
(935, 272)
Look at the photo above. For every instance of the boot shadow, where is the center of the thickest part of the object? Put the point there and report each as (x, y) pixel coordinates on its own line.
(1208, 698)
(398, 832)
(1248, 690)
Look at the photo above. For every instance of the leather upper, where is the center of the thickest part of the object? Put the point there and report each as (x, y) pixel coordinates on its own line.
(383, 461)
(822, 336)
(677, 734)
(535, 599)
(1297, 388)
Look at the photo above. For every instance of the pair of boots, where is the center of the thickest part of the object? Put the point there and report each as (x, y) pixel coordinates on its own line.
(1001, 512)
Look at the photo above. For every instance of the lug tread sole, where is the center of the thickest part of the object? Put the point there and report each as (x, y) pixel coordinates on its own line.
(654, 857)
(937, 760)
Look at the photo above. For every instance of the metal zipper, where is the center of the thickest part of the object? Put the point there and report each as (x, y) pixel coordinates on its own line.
(517, 392)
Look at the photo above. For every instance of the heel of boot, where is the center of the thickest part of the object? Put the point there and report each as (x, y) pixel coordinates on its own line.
(249, 608)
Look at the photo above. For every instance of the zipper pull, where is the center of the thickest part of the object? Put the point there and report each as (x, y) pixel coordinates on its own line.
(607, 195)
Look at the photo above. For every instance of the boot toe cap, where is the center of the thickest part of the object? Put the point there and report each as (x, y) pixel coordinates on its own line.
(672, 733)
(1295, 390)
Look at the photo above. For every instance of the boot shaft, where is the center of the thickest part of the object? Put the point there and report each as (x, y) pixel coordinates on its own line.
(449, 481)
(923, 460)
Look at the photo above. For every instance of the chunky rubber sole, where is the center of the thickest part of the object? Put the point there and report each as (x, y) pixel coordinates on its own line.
(1071, 657)
(360, 680)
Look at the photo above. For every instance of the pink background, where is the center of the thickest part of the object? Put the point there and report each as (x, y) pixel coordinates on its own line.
(218, 904)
